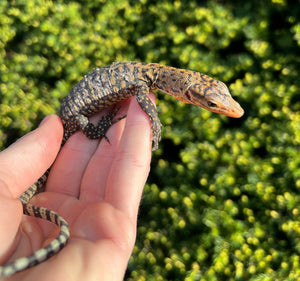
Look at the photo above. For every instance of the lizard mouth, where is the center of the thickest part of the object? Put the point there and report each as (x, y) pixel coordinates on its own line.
(236, 110)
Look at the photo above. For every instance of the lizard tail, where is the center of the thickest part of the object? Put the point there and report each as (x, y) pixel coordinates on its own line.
(43, 253)
(35, 188)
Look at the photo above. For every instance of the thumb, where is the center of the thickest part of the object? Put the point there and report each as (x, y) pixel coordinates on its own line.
(21, 165)
(26, 160)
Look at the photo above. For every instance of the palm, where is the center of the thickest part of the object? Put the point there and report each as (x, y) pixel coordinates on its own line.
(92, 186)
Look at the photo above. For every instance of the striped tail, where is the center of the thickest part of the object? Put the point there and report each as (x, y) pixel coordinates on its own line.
(44, 253)
(35, 188)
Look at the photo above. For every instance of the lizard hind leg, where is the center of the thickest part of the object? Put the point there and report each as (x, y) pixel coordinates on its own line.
(96, 132)
(43, 253)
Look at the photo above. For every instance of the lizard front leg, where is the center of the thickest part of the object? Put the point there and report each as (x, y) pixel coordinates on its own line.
(147, 105)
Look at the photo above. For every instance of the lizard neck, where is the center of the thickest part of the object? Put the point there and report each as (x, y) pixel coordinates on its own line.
(172, 81)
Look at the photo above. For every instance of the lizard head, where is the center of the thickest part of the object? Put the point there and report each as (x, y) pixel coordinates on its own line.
(212, 95)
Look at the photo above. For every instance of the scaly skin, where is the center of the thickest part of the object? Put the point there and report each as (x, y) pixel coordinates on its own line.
(107, 86)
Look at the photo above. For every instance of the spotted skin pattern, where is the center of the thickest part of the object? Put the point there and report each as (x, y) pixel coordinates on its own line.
(107, 86)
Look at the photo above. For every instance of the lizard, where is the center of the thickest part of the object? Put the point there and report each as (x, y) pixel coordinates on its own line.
(107, 86)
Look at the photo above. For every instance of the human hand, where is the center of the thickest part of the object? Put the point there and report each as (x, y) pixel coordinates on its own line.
(95, 185)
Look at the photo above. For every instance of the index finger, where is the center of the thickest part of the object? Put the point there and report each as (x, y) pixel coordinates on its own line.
(131, 167)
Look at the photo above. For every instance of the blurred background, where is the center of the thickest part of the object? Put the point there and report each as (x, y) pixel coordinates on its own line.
(222, 201)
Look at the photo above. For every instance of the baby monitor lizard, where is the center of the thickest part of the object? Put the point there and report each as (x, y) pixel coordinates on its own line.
(107, 86)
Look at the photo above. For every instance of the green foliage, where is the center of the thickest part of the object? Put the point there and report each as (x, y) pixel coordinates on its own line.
(222, 201)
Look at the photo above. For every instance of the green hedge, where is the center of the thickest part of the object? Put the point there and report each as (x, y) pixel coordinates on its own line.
(222, 201)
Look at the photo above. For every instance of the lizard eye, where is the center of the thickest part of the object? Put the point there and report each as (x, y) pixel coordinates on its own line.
(211, 104)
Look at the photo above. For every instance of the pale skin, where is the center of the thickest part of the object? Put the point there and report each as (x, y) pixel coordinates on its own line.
(95, 185)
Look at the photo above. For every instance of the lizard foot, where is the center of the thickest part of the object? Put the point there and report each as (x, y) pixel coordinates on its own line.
(106, 121)
(96, 132)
